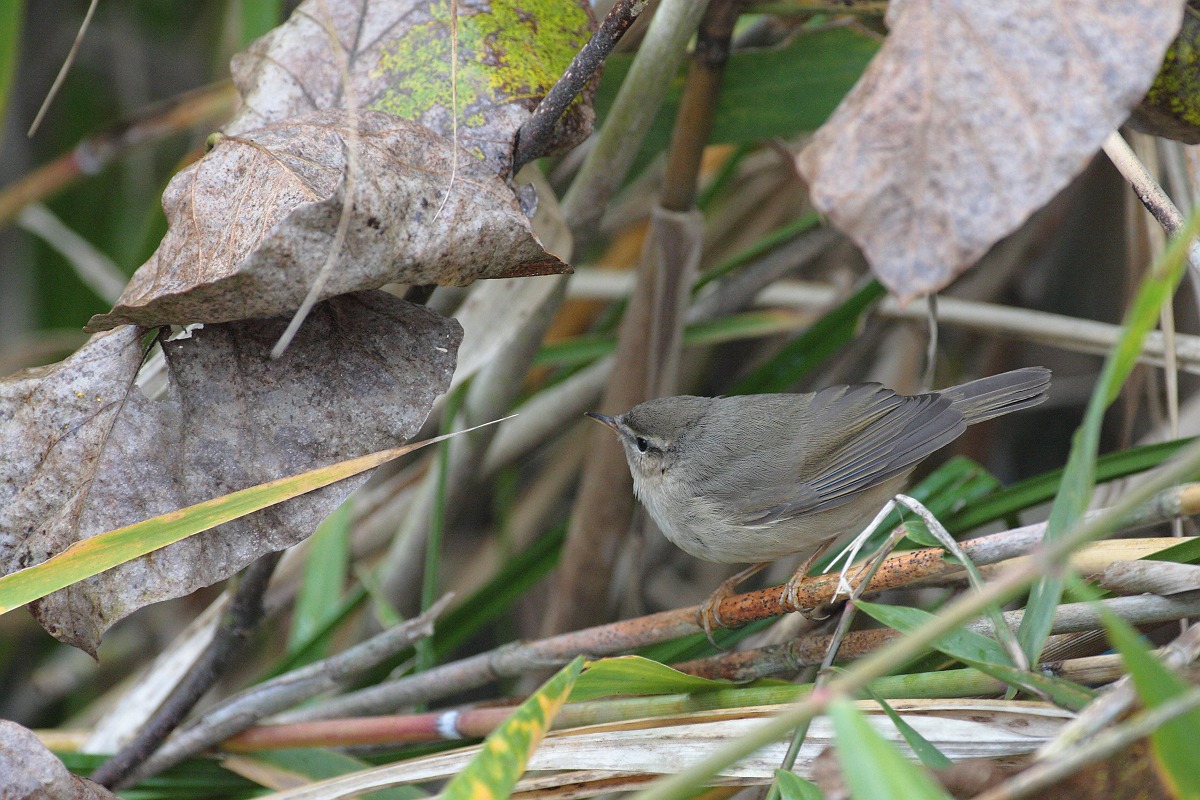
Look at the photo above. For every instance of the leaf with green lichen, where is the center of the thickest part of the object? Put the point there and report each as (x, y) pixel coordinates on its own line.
(396, 57)
(1172, 106)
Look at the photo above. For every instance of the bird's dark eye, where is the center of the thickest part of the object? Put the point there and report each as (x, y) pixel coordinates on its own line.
(642, 444)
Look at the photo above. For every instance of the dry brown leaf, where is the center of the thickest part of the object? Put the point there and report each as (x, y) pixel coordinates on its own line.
(973, 115)
(90, 453)
(28, 771)
(252, 223)
(397, 59)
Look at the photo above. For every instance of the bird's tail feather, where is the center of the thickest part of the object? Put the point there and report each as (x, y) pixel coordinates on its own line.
(1000, 394)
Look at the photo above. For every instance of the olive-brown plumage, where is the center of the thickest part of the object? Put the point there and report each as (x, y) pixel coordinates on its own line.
(757, 477)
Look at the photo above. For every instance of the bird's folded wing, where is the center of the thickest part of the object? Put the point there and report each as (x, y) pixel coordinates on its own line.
(898, 432)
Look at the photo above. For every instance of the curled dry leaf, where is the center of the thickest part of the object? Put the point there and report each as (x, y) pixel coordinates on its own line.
(973, 115)
(28, 771)
(395, 56)
(90, 453)
(252, 223)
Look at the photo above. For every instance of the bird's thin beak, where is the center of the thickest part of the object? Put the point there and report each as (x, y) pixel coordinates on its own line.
(609, 421)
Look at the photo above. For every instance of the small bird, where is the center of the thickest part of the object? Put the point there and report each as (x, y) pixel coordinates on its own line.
(753, 478)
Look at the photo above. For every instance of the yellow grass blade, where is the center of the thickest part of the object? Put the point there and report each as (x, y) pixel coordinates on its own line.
(107, 550)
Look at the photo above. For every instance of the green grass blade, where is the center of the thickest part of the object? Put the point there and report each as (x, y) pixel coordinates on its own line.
(1042, 488)
(1174, 744)
(961, 644)
(12, 13)
(887, 775)
(325, 569)
(793, 787)
(634, 675)
(982, 653)
(1079, 476)
(808, 350)
(105, 551)
(925, 750)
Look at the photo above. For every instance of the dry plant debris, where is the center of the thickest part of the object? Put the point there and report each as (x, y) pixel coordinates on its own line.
(251, 224)
(89, 452)
(972, 116)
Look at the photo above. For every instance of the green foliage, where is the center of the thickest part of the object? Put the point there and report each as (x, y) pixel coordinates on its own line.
(256, 18)
(813, 347)
(1174, 744)
(925, 750)
(793, 787)
(634, 675)
(320, 597)
(814, 71)
(982, 653)
(11, 14)
(871, 765)
(1080, 475)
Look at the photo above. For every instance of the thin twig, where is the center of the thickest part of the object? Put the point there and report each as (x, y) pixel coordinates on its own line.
(239, 712)
(780, 659)
(931, 349)
(237, 623)
(64, 69)
(637, 102)
(349, 186)
(1069, 333)
(1149, 192)
(199, 106)
(98, 272)
(536, 132)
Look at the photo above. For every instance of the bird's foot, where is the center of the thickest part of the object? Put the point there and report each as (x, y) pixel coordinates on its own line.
(791, 590)
(708, 617)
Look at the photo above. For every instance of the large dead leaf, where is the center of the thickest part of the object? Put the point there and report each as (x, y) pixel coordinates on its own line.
(28, 771)
(252, 223)
(395, 56)
(87, 452)
(972, 116)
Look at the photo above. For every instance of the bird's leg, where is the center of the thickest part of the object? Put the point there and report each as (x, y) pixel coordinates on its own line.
(708, 616)
(850, 552)
(791, 589)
